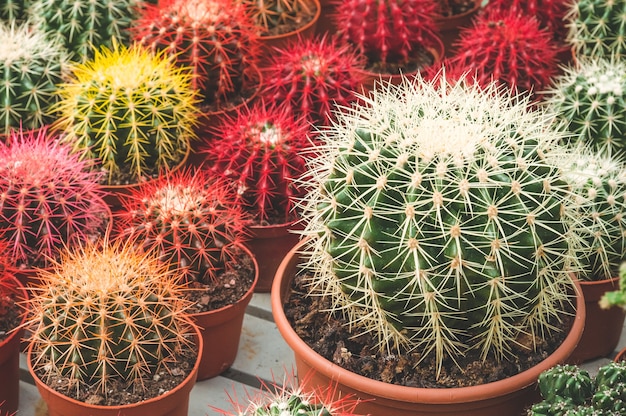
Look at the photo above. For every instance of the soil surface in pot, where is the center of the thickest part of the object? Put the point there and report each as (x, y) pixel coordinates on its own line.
(10, 317)
(421, 58)
(329, 336)
(451, 8)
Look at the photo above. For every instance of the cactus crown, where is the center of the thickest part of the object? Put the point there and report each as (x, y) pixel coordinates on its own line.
(437, 223)
(590, 99)
(128, 109)
(275, 17)
(387, 31)
(597, 28)
(48, 197)
(216, 39)
(31, 66)
(190, 219)
(311, 76)
(83, 26)
(260, 150)
(107, 311)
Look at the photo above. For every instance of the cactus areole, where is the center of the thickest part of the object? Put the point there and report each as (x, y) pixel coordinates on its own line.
(435, 221)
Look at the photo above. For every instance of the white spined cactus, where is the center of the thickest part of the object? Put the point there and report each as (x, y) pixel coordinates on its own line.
(437, 223)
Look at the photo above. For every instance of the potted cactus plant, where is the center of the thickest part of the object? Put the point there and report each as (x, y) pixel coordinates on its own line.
(111, 333)
(131, 111)
(570, 390)
(397, 37)
(436, 232)
(11, 318)
(192, 221)
(49, 199)
(597, 28)
(31, 66)
(261, 152)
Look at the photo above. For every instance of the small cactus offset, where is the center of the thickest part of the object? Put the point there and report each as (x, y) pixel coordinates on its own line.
(275, 17)
(48, 198)
(83, 26)
(216, 39)
(130, 110)
(590, 98)
(260, 151)
(107, 311)
(190, 219)
(387, 32)
(506, 47)
(436, 221)
(313, 76)
(31, 66)
(597, 28)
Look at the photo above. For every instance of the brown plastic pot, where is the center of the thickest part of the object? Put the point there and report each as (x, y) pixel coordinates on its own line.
(621, 356)
(172, 403)
(603, 327)
(450, 26)
(221, 330)
(504, 397)
(10, 363)
(270, 244)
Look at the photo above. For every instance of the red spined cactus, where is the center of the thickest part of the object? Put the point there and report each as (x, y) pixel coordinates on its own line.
(190, 218)
(505, 47)
(49, 198)
(260, 149)
(311, 76)
(387, 31)
(217, 39)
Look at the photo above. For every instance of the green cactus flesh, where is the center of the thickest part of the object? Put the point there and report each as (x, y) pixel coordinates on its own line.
(566, 381)
(598, 27)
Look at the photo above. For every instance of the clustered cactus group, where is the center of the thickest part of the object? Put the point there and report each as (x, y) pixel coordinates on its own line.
(570, 390)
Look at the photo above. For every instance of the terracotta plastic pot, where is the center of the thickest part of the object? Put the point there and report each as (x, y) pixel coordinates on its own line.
(10, 365)
(621, 356)
(603, 327)
(370, 79)
(269, 245)
(221, 330)
(505, 397)
(269, 43)
(450, 26)
(325, 24)
(172, 403)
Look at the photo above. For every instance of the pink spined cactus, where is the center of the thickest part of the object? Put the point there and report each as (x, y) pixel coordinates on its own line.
(261, 150)
(49, 197)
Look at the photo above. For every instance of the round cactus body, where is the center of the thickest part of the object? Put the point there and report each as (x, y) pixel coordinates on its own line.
(104, 312)
(313, 76)
(48, 198)
(566, 382)
(597, 28)
(31, 66)
(131, 111)
(388, 31)
(437, 223)
(216, 39)
(590, 98)
(190, 219)
(260, 150)
(83, 26)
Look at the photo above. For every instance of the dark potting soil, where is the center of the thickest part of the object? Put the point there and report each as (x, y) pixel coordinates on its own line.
(455, 7)
(420, 59)
(328, 335)
(10, 315)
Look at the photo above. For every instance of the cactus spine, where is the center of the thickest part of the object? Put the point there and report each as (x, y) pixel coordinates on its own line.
(107, 311)
(597, 28)
(260, 150)
(48, 197)
(132, 111)
(589, 98)
(31, 66)
(274, 17)
(436, 221)
(190, 219)
(14, 10)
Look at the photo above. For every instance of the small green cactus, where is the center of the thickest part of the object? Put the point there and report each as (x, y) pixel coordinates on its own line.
(616, 297)
(436, 221)
(83, 26)
(566, 381)
(31, 66)
(598, 28)
(590, 99)
(611, 399)
(106, 311)
(132, 111)
(612, 374)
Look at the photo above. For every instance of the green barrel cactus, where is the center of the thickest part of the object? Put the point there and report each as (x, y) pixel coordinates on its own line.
(31, 66)
(132, 111)
(590, 99)
(598, 27)
(436, 221)
(83, 26)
